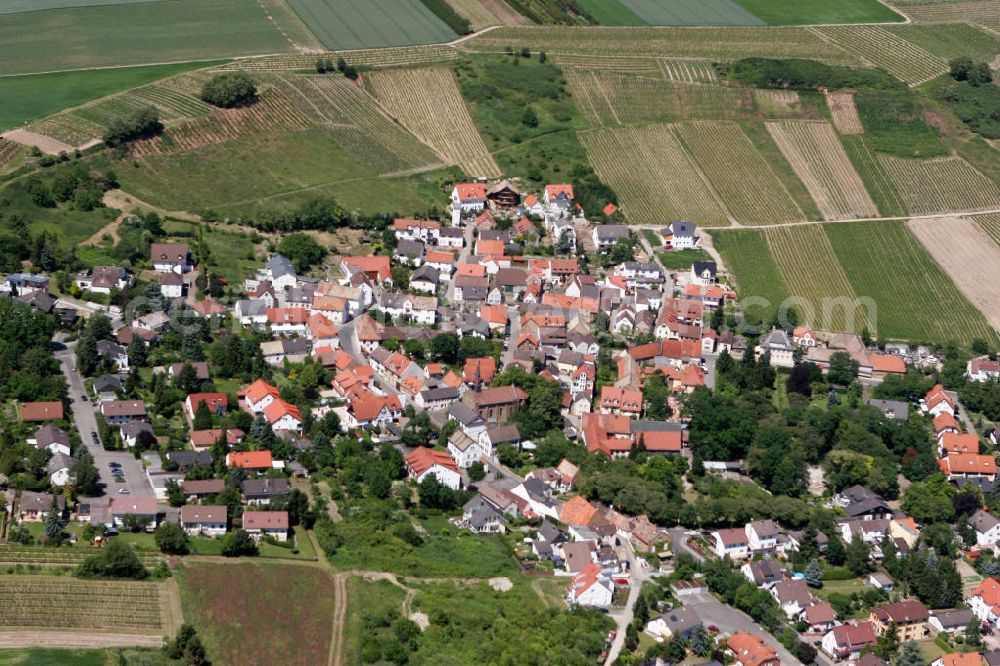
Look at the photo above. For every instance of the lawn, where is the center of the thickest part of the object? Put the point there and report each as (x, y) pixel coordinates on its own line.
(805, 12)
(232, 254)
(355, 24)
(681, 260)
(30, 97)
(145, 33)
(260, 613)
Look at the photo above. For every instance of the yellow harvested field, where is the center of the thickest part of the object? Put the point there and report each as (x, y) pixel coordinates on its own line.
(844, 113)
(655, 179)
(814, 279)
(427, 102)
(738, 172)
(945, 185)
(475, 12)
(969, 257)
(815, 153)
(882, 48)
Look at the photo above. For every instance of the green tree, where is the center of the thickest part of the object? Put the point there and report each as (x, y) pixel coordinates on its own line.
(302, 250)
(888, 643)
(202, 417)
(814, 573)
(476, 471)
(54, 524)
(238, 543)
(141, 123)
(175, 496)
(86, 479)
(171, 539)
(857, 556)
(529, 118)
(700, 642)
(229, 89)
(116, 560)
(137, 352)
(910, 655)
(843, 369)
(444, 347)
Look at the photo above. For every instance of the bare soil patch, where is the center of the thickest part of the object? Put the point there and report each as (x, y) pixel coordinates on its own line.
(46, 144)
(968, 255)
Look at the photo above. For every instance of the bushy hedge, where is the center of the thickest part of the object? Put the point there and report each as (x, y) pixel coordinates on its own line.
(807, 75)
(229, 90)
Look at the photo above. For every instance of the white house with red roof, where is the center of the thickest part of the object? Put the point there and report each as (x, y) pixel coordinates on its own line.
(367, 410)
(217, 403)
(559, 195)
(985, 601)
(938, 401)
(427, 231)
(969, 465)
(982, 369)
(259, 395)
(733, 543)
(283, 416)
(848, 640)
(424, 462)
(468, 197)
(591, 587)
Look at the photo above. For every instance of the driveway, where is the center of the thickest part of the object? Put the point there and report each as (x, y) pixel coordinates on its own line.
(678, 538)
(729, 621)
(86, 422)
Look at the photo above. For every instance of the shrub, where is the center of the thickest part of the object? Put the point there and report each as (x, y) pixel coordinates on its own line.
(141, 123)
(116, 560)
(229, 90)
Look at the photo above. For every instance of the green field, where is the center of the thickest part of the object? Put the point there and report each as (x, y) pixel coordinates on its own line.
(135, 34)
(19, 6)
(611, 12)
(805, 12)
(51, 657)
(355, 24)
(28, 97)
(915, 299)
(690, 12)
(749, 260)
(267, 171)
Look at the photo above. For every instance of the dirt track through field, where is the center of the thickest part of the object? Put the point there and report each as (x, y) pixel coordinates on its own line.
(968, 255)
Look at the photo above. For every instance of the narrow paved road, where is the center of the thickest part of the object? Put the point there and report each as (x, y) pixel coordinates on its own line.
(678, 539)
(729, 621)
(85, 421)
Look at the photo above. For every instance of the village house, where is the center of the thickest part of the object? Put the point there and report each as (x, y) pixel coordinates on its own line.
(681, 622)
(102, 279)
(591, 587)
(266, 524)
(951, 622)
(751, 650)
(117, 412)
(170, 257)
(262, 491)
(496, 404)
(982, 369)
(204, 520)
(909, 618)
(765, 573)
(41, 411)
(34, 507)
(984, 601)
(52, 438)
(468, 197)
(424, 462)
(848, 640)
(987, 528)
(250, 460)
(480, 516)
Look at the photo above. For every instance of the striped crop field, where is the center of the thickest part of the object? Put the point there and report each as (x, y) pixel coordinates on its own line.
(427, 102)
(611, 98)
(625, 64)
(64, 602)
(885, 49)
(653, 176)
(758, 280)
(333, 100)
(815, 279)
(844, 113)
(990, 223)
(752, 193)
(67, 128)
(688, 71)
(8, 151)
(944, 185)
(881, 188)
(914, 297)
(951, 40)
(982, 13)
(272, 113)
(718, 43)
(396, 56)
(820, 162)
(475, 12)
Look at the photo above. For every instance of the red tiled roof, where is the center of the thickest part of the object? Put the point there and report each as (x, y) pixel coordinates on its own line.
(259, 390)
(969, 463)
(470, 191)
(552, 191)
(751, 650)
(423, 458)
(279, 408)
(887, 363)
(41, 411)
(400, 224)
(952, 442)
(249, 459)
(577, 511)
(265, 520)
(287, 315)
